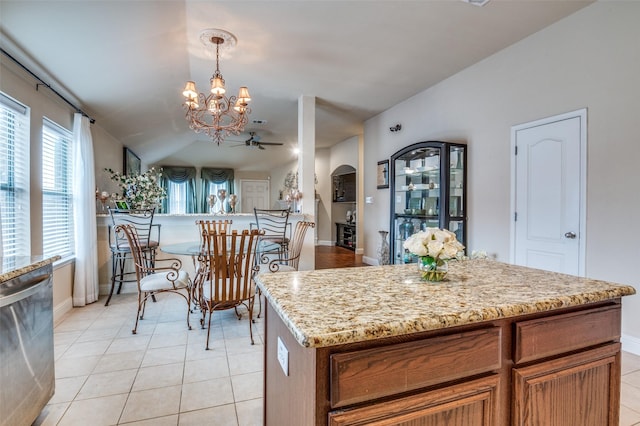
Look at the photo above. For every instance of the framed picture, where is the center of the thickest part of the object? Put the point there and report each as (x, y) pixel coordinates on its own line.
(131, 162)
(122, 205)
(383, 174)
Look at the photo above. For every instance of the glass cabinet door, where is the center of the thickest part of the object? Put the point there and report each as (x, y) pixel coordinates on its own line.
(427, 191)
(457, 190)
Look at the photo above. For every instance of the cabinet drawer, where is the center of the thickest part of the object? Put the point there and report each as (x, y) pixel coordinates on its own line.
(544, 337)
(469, 403)
(379, 372)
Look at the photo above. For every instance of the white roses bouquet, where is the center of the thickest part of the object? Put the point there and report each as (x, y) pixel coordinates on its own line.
(139, 191)
(434, 242)
(433, 247)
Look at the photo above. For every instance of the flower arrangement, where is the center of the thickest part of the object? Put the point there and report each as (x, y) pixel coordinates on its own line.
(433, 246)
(139, 191)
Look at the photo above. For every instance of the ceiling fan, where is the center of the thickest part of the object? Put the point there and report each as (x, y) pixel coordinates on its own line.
(254, 142)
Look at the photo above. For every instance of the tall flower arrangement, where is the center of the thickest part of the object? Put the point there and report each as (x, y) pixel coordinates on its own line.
(139, 191)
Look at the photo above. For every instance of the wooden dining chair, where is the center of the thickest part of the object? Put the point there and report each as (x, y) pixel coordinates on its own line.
(166, 275)
(228, 279)
(206, 227)
(218, 226)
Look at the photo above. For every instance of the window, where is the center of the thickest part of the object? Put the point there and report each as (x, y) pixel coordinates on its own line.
(57, 190)
(178, 199)
(180, 184)
(214, 180)
(14, 178)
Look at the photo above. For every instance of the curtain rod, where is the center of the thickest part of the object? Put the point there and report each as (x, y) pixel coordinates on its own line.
(43, 83)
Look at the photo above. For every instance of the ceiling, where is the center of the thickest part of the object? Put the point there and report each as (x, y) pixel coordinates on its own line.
(125, 62)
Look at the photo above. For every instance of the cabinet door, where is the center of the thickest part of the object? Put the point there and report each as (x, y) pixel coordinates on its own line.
(417, 188)
(581, 389)
(472, 403)
(457, 199)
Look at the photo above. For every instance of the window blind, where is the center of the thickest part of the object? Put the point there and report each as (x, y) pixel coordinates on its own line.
(57, 192)
(14, 177)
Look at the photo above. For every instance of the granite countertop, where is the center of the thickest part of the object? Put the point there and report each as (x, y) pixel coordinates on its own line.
(14, 266)
(336, 306)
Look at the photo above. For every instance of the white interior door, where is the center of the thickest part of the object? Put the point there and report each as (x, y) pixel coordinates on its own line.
(253, 193)
(549, 194)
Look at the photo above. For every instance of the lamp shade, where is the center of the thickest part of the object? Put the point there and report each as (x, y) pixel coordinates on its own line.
(214, 107)
(243, 95)
(217, 86)
(190, 90)
(240, 107)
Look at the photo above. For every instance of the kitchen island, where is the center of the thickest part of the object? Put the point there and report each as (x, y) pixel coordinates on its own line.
(493, 344)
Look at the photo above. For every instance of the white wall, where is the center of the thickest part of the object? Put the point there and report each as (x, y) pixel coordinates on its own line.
(589, 59)
(43, 103)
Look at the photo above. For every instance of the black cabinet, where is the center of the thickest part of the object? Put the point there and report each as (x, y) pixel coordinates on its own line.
(428, 189)
(346, 235)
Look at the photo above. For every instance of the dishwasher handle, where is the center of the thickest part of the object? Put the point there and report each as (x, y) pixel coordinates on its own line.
(32, 287)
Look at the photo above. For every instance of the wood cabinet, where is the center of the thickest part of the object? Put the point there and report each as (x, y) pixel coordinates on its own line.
(469, 403)
(549, 368)
(580, 389)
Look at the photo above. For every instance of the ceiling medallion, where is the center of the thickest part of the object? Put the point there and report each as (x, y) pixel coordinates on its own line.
(214, 113)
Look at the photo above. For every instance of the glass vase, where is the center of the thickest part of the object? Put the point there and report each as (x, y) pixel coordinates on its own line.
(432, 269)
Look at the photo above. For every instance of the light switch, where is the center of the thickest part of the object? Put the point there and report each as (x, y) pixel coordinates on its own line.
(283, 356)
(368, 200)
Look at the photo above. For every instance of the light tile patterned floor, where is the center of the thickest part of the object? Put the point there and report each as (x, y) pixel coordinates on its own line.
(163, 376)
(105, 375)
(630, 390)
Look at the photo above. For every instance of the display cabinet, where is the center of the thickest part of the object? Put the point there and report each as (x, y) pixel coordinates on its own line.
(346, 235)
(428, 189)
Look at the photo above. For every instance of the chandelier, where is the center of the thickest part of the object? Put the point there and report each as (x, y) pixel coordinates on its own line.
(215, 114)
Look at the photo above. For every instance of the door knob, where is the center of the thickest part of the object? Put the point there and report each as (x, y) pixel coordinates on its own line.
(570, 235)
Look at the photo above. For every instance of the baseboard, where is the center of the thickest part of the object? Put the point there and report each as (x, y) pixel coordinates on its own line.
(325, 243)
(370, 260)
(630, 344)
(61, 309)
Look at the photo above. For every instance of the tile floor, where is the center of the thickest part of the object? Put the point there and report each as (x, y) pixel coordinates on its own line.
(630, 390)
(163, 376)
(105, 375)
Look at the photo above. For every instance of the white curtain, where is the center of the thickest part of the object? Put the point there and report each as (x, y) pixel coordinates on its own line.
(85, 281)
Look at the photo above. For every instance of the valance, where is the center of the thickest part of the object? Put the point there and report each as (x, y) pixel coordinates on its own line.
(176, 174)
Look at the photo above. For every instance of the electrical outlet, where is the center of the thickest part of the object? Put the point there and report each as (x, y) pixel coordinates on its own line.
(283, 356)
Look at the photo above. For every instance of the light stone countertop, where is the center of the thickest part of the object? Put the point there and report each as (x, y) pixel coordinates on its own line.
(337, 306)
(14, 266)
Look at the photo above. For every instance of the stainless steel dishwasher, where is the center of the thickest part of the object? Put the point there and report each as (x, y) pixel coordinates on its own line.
(27, 379)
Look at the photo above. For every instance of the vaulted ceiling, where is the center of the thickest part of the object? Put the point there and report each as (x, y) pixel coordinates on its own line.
(125, 62)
